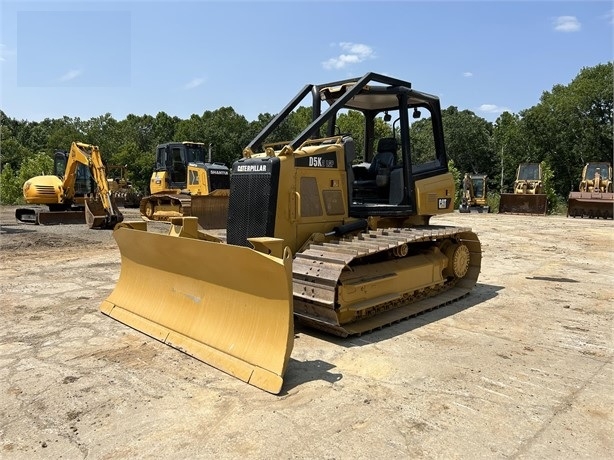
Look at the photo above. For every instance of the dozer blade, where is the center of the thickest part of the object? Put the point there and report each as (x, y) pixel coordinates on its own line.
(211, 210)
(27, 215)
(96, 216)
(43, 217)
(229, 306)
(590, 204)
(515, 203)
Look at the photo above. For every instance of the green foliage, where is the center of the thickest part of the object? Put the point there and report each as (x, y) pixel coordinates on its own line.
(492, 200)
(468, 141)
(12, 181)
(571, 125)
(548, 182)
(13, 152)
(40, 164)
(10, 188)
(458, 186)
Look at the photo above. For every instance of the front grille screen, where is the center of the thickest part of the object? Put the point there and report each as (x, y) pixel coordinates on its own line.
(253, 199)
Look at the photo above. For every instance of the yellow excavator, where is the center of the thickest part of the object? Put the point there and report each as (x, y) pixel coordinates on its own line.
(311, 236)
(595, 197)
(184, 183)
(78, 194)
(528, 196)
(474, 198)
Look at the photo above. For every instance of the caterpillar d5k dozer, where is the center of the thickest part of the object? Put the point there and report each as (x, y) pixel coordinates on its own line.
(364, 253)
(528, 196)
(595, 197)
(183, 184)
(474, 194)
(77, 193)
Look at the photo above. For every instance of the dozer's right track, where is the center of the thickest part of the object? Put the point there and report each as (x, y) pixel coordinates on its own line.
(357, 284)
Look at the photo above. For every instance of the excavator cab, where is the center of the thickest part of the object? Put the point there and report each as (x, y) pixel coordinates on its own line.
(312, 234)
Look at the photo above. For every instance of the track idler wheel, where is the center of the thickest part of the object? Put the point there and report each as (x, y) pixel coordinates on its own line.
(149, 210)
(458, 259)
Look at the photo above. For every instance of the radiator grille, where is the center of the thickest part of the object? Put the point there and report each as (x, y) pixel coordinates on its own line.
(253, 199)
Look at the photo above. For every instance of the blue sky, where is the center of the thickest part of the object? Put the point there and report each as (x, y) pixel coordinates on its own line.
(84, 59)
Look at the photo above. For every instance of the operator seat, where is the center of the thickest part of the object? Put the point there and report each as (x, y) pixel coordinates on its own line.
(385, 158)
(384, 161)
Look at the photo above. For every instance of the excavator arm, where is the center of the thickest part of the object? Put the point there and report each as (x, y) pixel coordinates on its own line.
(100, 211)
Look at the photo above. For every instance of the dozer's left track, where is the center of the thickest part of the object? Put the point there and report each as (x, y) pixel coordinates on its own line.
(353, 285)
(165, 206)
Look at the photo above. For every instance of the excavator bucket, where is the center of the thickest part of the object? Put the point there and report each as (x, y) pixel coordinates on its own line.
(96, 216)
(516, 203)
(229, 306)
(211, 210)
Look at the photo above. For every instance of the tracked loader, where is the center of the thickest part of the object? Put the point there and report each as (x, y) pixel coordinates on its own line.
(528, 196)
(184, 184)
(595, 197)
(77, 193)
(474, 194)
(311, 236)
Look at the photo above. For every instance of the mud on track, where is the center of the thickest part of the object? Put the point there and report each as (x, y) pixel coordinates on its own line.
(520, 368)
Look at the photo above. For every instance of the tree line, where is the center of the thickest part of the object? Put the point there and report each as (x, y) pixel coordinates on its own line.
(571, 125)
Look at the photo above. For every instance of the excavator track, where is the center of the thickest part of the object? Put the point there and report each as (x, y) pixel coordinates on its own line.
(163, 207)
(320, 269)
(44, 217)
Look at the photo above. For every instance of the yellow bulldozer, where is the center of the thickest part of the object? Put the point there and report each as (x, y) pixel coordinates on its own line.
(311, 236)
(474, 198)
(184, 184)
(122, 190)
(77, 192)
(595, 197)
(528, 196)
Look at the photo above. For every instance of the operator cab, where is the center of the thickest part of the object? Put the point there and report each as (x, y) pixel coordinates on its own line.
(396, 160)
(174, 157)
(84, 185)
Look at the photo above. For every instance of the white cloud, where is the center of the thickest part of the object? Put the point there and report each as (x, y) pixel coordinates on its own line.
(492, 108)
(354, 53)
(567, 24)
(194, 83)
(5, 52)
(468, 74)
(71, 75)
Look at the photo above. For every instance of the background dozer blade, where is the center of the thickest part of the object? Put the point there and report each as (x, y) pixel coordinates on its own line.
(211, 210)
(516, 203)
(44, 217)
(229, 306)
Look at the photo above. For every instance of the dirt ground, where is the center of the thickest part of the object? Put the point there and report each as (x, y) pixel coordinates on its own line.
(521, 368)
